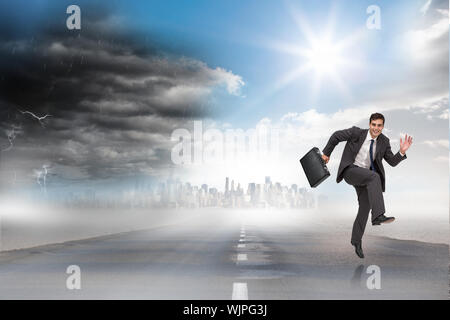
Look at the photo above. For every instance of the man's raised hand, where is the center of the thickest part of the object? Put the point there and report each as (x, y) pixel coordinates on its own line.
(325, 158)
(405, 144)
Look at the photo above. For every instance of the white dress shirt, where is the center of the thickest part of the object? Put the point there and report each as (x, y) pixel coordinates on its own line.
(362, 159)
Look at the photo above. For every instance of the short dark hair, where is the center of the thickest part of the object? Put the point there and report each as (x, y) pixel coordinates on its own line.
(376, 116)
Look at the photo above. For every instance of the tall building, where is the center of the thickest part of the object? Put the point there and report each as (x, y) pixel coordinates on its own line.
(227, 180)
(251, 188)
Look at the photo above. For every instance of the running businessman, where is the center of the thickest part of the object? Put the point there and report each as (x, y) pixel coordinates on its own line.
(362, 167)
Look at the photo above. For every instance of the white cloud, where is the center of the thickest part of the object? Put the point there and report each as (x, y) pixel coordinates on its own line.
(444, 115)
(182, 93)
(434, 110)
(436, 143)
(58, 48)
(428, 109)
(233, 82)
(443, 12)
(300, 131)
(420, 42)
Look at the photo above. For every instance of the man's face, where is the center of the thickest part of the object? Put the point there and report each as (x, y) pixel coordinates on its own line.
(376, 126)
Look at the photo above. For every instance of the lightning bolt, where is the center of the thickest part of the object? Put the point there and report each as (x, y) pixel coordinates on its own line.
(45, 179)
(36, 117)
(41, 178)
(38, 177)
(11, 135)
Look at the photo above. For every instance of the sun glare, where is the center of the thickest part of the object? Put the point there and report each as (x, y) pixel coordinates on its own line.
(321, 57)
(324, 58)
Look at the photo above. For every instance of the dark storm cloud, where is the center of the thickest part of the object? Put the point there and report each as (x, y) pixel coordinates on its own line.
(113, 100)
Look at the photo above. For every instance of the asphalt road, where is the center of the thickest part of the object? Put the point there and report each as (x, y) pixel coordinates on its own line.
(229, 255)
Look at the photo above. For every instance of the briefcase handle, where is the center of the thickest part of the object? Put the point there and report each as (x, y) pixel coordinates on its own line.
(321, 159)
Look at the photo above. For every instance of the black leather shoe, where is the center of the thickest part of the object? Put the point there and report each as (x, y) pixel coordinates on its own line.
(382, 219)
(358, 249)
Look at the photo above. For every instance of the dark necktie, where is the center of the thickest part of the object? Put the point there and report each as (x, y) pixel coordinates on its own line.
(372, 166)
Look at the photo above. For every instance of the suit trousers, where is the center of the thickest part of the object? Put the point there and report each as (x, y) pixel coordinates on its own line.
(367, 184)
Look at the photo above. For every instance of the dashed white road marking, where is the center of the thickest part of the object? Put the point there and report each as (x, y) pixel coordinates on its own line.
(240, 291)
(242, 257)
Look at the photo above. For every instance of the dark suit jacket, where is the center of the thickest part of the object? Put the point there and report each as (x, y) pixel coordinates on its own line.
(355, 138)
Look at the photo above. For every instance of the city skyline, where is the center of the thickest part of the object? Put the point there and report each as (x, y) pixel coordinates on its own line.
(175, 193)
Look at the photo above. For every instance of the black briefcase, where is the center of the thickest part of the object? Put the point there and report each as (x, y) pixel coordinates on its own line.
(315, 168)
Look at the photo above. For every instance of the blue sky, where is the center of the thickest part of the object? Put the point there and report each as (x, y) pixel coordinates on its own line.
(236, 35)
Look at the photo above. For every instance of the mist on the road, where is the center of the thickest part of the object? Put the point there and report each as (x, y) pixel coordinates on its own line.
(25, 225)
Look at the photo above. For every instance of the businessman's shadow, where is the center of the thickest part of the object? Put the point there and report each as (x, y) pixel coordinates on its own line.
(357, 275)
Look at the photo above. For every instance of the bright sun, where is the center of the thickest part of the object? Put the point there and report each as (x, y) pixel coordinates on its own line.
(324, 58)
(321, 58)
